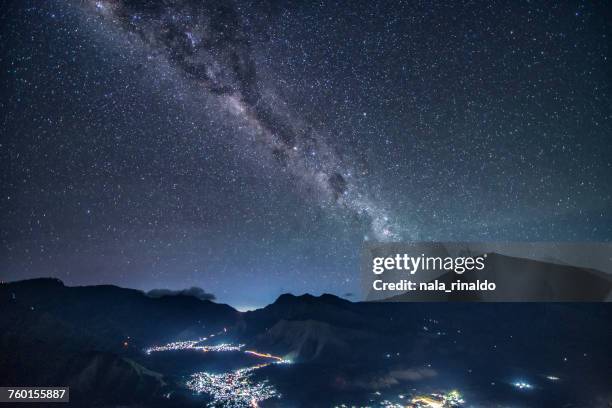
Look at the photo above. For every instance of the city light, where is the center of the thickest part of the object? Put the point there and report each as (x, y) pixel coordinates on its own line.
(522, 385)
(451, 399)
(235, 389)
(192, 345)
(238, 388)
(263, 355)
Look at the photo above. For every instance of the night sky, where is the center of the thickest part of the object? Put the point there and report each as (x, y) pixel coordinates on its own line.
(250, 148)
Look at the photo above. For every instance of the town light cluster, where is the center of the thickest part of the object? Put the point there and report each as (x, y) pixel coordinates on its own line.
(193, 345)
(235, 389)
(522, 385)
(451, 399)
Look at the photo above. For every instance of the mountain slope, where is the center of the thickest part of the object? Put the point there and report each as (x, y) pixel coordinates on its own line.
(114, 315)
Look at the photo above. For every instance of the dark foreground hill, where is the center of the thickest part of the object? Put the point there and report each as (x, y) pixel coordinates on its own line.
(92, 339)
(88, 336)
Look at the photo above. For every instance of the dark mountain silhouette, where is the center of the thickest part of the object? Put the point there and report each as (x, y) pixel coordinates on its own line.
(111, 314)
(92, 339)
(87, 336)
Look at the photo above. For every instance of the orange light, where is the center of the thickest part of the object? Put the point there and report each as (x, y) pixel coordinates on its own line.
(264, 355)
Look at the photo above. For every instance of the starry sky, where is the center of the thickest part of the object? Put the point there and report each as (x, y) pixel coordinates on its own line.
(250, 148)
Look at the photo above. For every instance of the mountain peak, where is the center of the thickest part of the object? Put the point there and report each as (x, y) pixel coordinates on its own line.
(37, 282)
(289, 298)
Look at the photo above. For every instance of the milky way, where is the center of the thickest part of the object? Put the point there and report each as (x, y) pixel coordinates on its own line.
(249, 148)
(206, 42)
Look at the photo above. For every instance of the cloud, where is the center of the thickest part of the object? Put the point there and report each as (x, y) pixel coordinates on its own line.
(413, 374)
(193, 291)
(392, 378)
